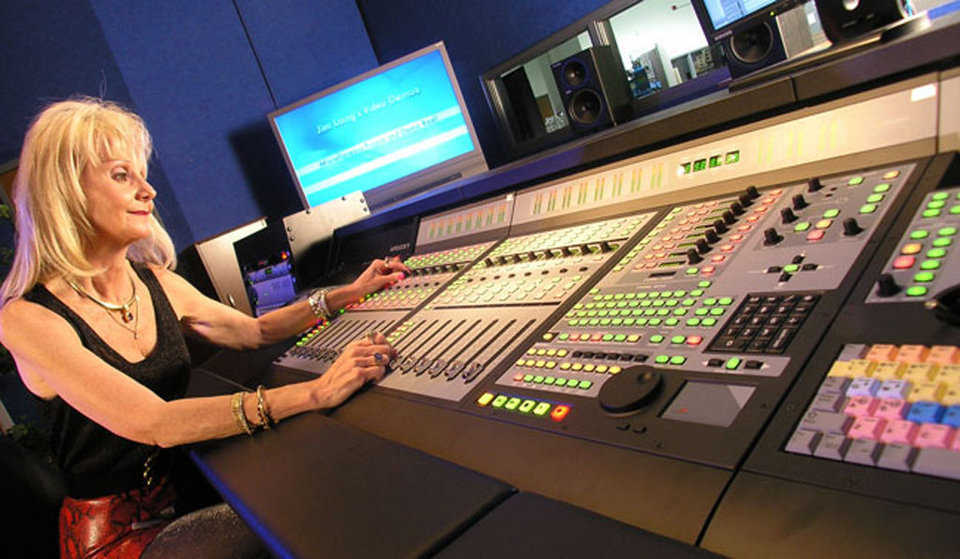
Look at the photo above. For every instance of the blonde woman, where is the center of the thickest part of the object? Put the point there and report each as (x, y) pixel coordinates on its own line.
(95, 319)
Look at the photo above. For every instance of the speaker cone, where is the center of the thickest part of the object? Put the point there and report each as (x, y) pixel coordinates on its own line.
(753, 44)
(586, 106)
(574, 73)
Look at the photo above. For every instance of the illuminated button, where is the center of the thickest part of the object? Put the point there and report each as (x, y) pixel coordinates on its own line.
(936, 204)
(954, 210)
(656, 339)
(692, 271)
(549, 380)
(694, 340)
(559, 413)
(589, 367)
(725, 301)
(541, 409)
(512, 404)
(577, 366)
(919, 234)
(891, 175)
(930, 213)
(916, 291)
(499, 401)
(561, 382)
(936, 253)
(485, 399)
(732, 363)
(868, 208)
(704, 284)
(930, 265)
(717, 311)
(802, 226)
(662, 359)
(815, 235)
(911, 248)
(573, 383)
(942, 242)
(791, 268)
(947, 231)
(696, 292)
(527, 406)
(678, 339)
(881, 188)
(854, 181)
(693, 322)
(561, 353)
(527, 378)
(633, 338)
(538, 379)
(875, 198)
(585, 384)
(823, 224)
(903, 262)
(614, 370)
(708, 322)
(678, 360)
(923, 277)
(831, 213)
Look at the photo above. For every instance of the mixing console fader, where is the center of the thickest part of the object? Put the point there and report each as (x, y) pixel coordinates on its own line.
(689, 323)
(447, 347)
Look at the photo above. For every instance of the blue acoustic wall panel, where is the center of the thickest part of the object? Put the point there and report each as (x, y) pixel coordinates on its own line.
(191, 71)
(51, 51)
(478, 35)
(306, 46)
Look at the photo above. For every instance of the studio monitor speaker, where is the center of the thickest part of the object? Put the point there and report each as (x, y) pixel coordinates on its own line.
(594, 89)
(843, 20)
(754, 47)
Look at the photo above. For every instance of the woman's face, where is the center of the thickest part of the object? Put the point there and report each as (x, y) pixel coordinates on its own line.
(119, 200)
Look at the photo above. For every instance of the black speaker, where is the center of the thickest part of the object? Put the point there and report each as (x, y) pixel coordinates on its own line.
(594, 89)
(844, 20)
(753, 47)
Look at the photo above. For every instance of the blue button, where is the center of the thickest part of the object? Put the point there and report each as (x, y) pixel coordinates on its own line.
(952, 417)
(925, 412)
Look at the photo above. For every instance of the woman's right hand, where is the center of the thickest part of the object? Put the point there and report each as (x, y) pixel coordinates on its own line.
(361, 361)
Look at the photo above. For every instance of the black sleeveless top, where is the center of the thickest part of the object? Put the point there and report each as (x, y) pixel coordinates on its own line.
(95, 461)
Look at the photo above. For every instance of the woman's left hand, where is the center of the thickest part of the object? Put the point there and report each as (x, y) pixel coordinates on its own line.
(380, 273)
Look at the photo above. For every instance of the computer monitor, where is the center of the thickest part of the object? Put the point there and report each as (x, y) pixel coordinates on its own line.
(720, 17)
(391, 132)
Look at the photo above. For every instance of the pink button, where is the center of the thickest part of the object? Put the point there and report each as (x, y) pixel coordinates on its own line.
(892, 408)
(726, 248)
(718, 258)
(815, 235)
(736, 237)
(934, 435)
(867, 428)
(708, 269)
(904, 262)
(861, 406)
(518, 377)
(744, 228)
(899, 431)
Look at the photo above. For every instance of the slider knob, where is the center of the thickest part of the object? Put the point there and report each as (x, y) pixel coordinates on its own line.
(752, 192)
(702, 246)
(531, 256)
(720, 226)
(788, 215)
(745, 200)
(489, 262)
(851, 227)
(887, 286)
(606, 247)
(566, 251)
(711, 236)
(585, 249)
(814, 184)
(799, 202)
(728, 217)
(502, 260)
(693, 256)
(771, 237)
(736, 208)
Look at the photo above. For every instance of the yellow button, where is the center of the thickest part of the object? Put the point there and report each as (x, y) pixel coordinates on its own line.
(565, 365)
(951, 396)
(949, 375)
(551, 364)
(601, 368)
(823, 223)
(840, 369)
(588, 367)
(926, 392)
(615, 370)
(541, 363)
(862, 368)
(891, 175)
(485, 399)
(911, 248)
(577, 366)
(920, 372)
(561, 353)
(889, 370)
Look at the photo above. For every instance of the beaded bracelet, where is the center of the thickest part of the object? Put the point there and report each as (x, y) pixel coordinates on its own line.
(266, 420)
(237, 404)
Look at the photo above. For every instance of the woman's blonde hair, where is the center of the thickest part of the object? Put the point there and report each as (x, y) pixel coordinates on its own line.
(52, 223)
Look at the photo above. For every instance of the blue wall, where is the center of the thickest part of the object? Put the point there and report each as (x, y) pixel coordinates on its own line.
(478, 35)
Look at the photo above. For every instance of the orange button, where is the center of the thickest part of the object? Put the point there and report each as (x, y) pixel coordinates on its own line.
(911, 248)
(694, 340)
(882, 352)
(559, 413)
(912, 353)
(891, 174)
(944, 354)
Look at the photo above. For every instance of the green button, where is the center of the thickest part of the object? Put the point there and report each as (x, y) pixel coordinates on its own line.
(527, 406)
(708, 322)
(855, 181)
(654, 322)
(732, 157)
(662, 359)
(732, 363)
(831, 213)
(718, 311)
(954, 210)
(930, 213)
(924, 277)
(693, 322)
(791, 268)
(585, 384)
(679, 293)
(678, 360)
(689, 302)
(678, 339)
(936, 204)
(941, 196)
(549, 380)
(942, 242)
(620, 337)
(607, 337)
(541, 409)
(709, 301)
(527, 378)
(930, 265)
(916, 291)
(868, 208)
(561, 382)
(512, 403)
(573, 383)
(801, 227)
(499, 401)
(919, 234)
(671, 322)
(947, 231)
(882, 187)
(725, 301)
(704, 283)
(692, 271)
(538, 379)
(656, 339)
(701, 312)
(875, 198)
(936, 253)
(696, 292)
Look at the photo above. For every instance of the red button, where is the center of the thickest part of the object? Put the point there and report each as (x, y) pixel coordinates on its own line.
(718, 258)
(707, 269)
(815, 235)
(904, 262)
(559, 413)
(694, 340)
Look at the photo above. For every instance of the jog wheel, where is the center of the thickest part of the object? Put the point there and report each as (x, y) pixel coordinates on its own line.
(630, 390)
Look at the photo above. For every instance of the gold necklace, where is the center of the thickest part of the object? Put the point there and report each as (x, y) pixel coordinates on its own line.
(126, 314)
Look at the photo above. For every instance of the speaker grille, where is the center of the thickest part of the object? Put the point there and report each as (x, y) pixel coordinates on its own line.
(586, 106)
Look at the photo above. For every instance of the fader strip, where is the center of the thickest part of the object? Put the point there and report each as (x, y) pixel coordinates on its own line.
(316, 350)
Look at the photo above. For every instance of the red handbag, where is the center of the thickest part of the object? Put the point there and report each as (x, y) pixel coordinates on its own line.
(116, 526)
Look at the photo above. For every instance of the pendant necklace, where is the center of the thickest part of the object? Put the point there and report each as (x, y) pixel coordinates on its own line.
(129, 311)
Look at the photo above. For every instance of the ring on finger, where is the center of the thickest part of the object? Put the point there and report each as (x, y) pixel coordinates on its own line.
(378, 357)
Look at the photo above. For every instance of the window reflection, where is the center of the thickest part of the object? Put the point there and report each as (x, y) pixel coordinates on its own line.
(662, 45)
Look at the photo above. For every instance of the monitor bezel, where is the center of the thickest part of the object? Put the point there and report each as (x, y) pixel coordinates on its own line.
(715, 34)
(464, 165)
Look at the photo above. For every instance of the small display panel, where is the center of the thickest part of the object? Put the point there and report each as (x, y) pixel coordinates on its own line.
(384, 127)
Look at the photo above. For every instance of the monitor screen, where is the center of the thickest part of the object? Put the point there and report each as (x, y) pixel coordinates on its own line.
(719, 16)
(389, 133)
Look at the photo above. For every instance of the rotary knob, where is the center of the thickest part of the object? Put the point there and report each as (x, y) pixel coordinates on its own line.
(887, 286)
(728, 217)
(752, 192)
(720, 226)
(851, 227)
(799, 202)
(693, 256)
(630, 390)
(771, 237)
(737, 208)
(788, 215)
(711, 236)
(814, 184)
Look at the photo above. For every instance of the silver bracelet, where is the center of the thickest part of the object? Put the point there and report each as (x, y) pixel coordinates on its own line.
(318, 304)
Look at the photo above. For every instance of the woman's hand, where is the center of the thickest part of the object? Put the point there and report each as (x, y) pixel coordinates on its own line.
(380, 273)
(362, 361)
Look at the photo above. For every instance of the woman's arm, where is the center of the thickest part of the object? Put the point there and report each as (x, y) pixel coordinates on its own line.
(228, 327)
(50, 356)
